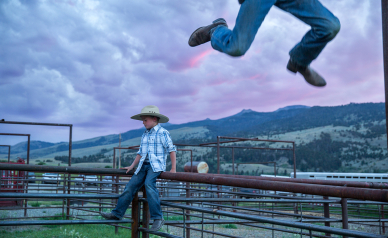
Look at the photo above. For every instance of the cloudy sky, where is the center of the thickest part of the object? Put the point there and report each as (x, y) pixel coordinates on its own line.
(94, 64)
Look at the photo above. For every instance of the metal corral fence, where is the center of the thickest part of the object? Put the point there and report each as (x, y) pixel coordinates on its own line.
(199, 203)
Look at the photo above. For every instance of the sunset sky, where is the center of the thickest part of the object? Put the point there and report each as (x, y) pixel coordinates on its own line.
(94, 64)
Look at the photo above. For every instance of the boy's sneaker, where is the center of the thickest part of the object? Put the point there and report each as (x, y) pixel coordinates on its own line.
(203, 34)
(109, 216)
(308, 73)
(158, 223)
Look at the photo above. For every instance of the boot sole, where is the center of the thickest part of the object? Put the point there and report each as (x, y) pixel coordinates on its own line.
(161, 224)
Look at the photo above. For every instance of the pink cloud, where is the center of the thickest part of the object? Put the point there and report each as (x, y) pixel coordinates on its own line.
(196, 59)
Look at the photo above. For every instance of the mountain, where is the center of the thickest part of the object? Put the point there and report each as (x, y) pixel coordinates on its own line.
(22, 146)
(292, 107)
(327, 138)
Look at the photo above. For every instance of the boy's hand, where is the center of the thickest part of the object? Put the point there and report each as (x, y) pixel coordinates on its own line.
(173, 171)
(127, 168)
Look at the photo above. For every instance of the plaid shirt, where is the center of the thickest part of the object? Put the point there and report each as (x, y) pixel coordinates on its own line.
(157, 143)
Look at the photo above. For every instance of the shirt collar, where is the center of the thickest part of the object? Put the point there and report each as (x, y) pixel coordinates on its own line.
(155, 128)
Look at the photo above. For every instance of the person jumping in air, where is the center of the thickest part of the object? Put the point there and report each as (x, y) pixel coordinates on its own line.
(236, 42)
(155, 144)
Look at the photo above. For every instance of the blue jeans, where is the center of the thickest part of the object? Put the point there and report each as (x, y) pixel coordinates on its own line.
(145, 177)
(324, 27)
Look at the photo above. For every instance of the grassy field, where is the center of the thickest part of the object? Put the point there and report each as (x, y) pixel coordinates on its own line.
(74, 231)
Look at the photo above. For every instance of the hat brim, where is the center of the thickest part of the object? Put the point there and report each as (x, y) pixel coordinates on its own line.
(163, 118)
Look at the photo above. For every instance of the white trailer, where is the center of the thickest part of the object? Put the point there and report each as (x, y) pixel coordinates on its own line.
(356, 177)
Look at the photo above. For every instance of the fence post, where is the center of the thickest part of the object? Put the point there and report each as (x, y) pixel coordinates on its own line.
(344, 205)
(326, 213)
(187, 211)
(146, 214)
(135, 216)
(382, 215)
(68, 192)
(25, 190)
(117, 192)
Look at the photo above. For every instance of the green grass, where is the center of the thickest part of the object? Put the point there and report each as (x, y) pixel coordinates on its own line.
(229, 226)
(45, 203)
(173, 218)
(73, 231)
(35, 204)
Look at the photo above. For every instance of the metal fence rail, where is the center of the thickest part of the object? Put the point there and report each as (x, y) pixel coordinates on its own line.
(229, 206)
(323, 190)
(309, 227)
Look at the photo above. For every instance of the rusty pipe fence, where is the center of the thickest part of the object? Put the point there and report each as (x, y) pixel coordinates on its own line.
(205, 211)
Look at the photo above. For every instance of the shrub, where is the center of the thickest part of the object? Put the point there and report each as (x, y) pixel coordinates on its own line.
(41, 163)
(35, 204)
(230, 226)
(49, 160)
(108, 167)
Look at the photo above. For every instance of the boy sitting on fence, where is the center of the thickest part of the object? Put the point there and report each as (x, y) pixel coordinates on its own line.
(152, 155)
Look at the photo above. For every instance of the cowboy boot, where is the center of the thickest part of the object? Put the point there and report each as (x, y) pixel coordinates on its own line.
(158, 223)
(203, 34)
(109, 216)
(308, 73)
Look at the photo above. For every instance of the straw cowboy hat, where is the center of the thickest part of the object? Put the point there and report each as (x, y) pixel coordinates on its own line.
(151, 111)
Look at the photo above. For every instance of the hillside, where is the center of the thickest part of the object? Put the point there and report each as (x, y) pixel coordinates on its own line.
(342, 138)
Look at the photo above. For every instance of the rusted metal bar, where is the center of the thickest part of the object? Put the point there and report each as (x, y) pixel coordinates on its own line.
(218, 154)
(117, 192)
(146, 214)
(63, 169)
(114, 158)
(317, 219)
(135, 216)
(293, 154)
(188, 211)
(28, 149)
(233, 159)
(25, 190)
(171, 199)
(70, 142)
(384, 18)
(68, 192)
(382, 216)
(344, 207)
(313, 181)
(326, 213)
(332, 191)
(323, 190)
(34, 123)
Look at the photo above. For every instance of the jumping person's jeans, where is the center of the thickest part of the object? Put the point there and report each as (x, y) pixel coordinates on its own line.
(324, 27)
(145, 177)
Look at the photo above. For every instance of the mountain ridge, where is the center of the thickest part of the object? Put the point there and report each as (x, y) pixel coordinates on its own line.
(339, 129)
